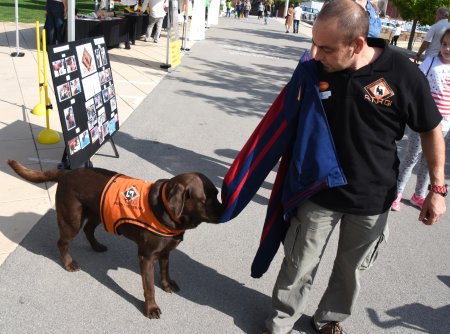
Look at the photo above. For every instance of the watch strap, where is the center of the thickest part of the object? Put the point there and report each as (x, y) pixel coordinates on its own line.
(441, 190)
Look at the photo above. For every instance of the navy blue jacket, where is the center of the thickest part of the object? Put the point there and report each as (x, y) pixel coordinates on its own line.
(296, 130)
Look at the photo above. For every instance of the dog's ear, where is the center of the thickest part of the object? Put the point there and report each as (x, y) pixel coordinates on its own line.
(176, 199)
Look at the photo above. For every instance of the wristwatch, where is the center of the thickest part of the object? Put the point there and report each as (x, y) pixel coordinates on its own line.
(441, 190)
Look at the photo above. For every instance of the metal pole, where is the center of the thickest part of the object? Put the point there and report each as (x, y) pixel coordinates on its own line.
(17, 53)
(71, 21)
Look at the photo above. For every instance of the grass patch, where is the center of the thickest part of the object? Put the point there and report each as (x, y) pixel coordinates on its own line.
(31, 11)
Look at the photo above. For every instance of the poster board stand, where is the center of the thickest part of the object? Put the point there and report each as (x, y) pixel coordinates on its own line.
(86, 99)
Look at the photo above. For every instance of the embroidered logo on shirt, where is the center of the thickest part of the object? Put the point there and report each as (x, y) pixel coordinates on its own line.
(379, 92)
(130, 194)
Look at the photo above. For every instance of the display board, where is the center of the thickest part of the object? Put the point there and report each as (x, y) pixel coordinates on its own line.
(85, 95)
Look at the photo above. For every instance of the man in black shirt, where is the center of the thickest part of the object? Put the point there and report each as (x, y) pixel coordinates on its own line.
(369, 93)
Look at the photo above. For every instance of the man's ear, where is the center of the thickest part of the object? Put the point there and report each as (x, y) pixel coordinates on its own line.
(359, 44)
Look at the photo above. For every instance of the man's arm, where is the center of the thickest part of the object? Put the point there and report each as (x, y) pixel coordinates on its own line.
(65, 7)
(433, 147)
(422, 49)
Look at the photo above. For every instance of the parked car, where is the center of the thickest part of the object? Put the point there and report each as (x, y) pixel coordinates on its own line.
(309, 14)
(385, 23)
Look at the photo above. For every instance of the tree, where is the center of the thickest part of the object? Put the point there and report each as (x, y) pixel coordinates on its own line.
(422, 11)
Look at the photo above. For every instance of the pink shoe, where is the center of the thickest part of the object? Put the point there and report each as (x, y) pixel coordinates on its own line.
(396, 204)
(417, 201)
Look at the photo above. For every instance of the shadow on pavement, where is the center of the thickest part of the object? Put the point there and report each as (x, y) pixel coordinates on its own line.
(198, 283)
(176, 160)
(415, 316)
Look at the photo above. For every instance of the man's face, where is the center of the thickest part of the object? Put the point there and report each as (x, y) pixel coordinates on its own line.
(333, 51)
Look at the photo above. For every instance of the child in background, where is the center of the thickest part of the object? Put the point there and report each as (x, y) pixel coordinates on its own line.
(437, 71)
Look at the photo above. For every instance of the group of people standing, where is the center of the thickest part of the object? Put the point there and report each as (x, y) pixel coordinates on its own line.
(293, 17)
(242, 9)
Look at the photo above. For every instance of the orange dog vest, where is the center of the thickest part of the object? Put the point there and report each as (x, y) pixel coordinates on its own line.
(125, 200)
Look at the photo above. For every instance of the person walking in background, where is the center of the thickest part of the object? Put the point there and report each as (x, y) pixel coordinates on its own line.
(397, 33)
(228, 6)
(297, 17)
(339, 165)
(158, 9)
(289, 18)
(267, 10)
(239, 8)
(247, 8)
(431, 43)
(437, 71)
(260, 10)
(54, 22)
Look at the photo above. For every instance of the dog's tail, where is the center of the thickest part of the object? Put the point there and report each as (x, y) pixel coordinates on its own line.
(33, 175)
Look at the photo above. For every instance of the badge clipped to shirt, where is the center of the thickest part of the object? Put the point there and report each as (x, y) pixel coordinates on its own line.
(323, 92)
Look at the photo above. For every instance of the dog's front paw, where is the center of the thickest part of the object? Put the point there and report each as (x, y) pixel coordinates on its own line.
(170, 286)
(152, 312)
(72, 266)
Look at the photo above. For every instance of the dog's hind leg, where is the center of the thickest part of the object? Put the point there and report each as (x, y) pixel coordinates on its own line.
(89, 230)
(69, 226)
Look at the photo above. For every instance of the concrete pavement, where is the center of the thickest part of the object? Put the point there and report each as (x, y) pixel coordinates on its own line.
(136, 72)
(222, 88)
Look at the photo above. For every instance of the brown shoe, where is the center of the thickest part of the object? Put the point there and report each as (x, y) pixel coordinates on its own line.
(332, 328)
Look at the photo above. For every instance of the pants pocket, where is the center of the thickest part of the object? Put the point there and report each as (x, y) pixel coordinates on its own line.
(290, 242)
(372, 255)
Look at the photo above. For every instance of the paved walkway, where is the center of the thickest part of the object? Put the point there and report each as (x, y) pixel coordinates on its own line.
(136, 72)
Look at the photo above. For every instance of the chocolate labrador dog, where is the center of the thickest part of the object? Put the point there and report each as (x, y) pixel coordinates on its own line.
(154, 215)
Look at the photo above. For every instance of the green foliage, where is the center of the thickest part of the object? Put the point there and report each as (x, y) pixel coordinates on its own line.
(420, 10)
(34, 10)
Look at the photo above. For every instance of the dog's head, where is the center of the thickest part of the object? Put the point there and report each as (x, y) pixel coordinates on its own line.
(192, 199)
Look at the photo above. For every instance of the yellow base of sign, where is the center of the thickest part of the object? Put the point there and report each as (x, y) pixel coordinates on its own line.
(48, 137)
(39, 110)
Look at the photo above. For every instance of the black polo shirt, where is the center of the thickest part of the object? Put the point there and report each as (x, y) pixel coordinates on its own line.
(367, 112)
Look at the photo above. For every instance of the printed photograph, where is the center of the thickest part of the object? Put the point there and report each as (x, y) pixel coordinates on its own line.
(105, 94)
(74, 145)
(98, 101)
(91, 86)
(59, 68)
(103, 53)
(84, 139)
(113, 104)
(108, 74)
(101, 134)
(113, 125)
(71, 64)
(111, 92)
(98, 58)
(85, 55)
(94, 134)
(101, 116)
(70, 118)
(75, 86)
(92, 122)
(102, 77)
(90, 109)
(64, 91)
(105, 129)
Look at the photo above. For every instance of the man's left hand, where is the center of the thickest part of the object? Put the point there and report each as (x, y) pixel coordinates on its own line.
(433, 208)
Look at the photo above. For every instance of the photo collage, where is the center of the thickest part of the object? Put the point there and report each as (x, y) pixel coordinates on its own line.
(85, 95)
